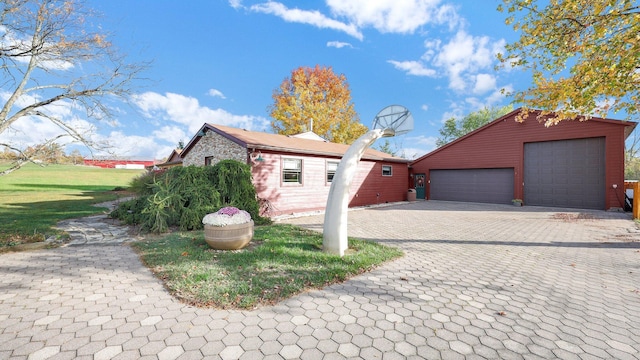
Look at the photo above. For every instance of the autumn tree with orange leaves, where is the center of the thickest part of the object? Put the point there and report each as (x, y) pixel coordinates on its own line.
(318, 100)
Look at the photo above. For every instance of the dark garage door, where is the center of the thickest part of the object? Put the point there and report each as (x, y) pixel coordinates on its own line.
(566, 173)
(473, 185)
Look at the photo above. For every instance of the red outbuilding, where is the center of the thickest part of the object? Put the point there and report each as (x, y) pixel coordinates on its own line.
(119, 163)
(576, 164)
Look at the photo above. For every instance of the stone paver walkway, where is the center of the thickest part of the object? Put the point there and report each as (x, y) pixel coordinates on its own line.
(477, 282)
(97, 229)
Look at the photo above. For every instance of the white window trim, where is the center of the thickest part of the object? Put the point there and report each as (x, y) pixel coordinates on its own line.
(301, 177)
(390, 170)
(326, 171)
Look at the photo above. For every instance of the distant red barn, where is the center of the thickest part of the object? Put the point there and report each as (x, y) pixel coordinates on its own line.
(117, 163)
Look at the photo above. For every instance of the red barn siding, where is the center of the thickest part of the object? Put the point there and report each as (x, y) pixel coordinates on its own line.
(311, 195)
(111, 163)
(501, 145)
(370, 187)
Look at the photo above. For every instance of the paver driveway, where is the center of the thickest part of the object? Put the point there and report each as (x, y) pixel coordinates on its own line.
(477, 281)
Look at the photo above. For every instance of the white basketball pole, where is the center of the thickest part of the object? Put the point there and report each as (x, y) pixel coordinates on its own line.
(334, 238)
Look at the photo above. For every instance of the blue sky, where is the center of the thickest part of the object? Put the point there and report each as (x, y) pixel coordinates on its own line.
(219, 61)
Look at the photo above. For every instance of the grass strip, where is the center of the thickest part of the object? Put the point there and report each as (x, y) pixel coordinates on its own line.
(33, 199)
(281, 261)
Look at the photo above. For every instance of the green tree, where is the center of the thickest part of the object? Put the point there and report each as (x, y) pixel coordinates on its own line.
(48, 53)
(632, 169)
(387, 147)
(631, 159)
(316, 99)
(584, 56)
(454, 128)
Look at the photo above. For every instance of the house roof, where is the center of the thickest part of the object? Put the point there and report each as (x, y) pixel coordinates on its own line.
(287, 144)
(173, 159)
(175, 155)
(309, 135)
(629, 127)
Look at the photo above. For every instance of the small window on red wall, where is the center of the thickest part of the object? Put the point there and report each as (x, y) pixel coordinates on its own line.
(332, 166)
(387, 170)
(292, 171)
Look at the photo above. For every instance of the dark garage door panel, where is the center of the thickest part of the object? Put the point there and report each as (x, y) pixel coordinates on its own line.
(566, 173)
(472, 185)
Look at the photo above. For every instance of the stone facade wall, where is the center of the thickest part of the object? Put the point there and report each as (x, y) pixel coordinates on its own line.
(216, 146)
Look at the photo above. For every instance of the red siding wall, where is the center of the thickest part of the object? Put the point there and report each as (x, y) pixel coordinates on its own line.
(370, 187)
(286, 198)
(501, 145)
(113, 163)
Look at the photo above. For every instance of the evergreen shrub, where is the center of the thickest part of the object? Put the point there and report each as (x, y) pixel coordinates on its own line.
(182, 196)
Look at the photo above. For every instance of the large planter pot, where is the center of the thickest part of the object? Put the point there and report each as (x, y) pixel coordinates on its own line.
(229, 237)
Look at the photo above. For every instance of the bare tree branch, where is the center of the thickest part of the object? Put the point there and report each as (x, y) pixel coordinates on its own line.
(44, 41)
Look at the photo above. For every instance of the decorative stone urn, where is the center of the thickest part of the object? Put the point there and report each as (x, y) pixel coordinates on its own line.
(228, 237)
(228, 229)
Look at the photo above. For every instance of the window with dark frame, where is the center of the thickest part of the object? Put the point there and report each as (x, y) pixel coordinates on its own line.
(208, 160)
(332, 166)
(387, 170)
(292, 171)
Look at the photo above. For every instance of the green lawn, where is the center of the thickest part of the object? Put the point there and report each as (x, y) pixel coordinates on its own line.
(281, 261)
(33, 199)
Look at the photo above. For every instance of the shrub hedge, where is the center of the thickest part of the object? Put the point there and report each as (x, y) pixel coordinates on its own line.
(182, 196)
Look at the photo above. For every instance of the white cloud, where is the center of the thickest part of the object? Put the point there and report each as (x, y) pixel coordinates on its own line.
(338, 44)
(456, 110)
(393, 16)
(177, 117)
(60, 109)
(447, 14)
(21, 135)
(32, 130)
(413, 68)
(386, 16)
(314, 18)
(188, 111)
(236, 4)
(171, 134)
(134, 147)
(475, 103)
(49, 59)
(216, 93)
(497, 96)
(462, 57)
(484, 83)
(420, 145)
(424, 107)
(432, 46)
